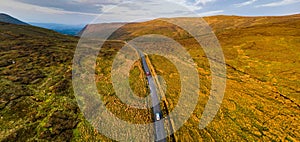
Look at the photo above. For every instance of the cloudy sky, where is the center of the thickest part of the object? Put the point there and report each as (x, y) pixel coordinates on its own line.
(84, 11)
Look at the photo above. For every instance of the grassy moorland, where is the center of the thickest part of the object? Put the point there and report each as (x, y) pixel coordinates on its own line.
(261, 101)
(262, 95)
(37, 100)
(36, 94)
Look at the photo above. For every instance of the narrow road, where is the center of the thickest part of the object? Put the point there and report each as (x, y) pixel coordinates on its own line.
(160, 133)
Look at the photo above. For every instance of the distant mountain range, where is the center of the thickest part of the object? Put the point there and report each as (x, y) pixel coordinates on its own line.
(61, 28)
(9, 19)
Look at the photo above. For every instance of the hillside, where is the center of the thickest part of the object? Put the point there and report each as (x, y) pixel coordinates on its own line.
(37, 101)
(262, 57)
(9, 19)
(99, 28)
(261, 100)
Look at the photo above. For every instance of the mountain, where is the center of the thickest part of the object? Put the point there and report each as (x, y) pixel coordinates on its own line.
(261, 101)
(61, 28)
(99, 28)
(9, 19)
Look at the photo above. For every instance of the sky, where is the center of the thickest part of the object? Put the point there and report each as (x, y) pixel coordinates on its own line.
(75, 12)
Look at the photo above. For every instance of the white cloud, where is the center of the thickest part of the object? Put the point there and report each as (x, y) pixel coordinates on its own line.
(203, 2)
(279, 3)
(85, 6)
(47, 10)
(107, 7)
(209, 13)
(245, 3)
(151, 9)
(66, 12)
(192, 5)
(39, 14)
(109, 2)
(187, 4)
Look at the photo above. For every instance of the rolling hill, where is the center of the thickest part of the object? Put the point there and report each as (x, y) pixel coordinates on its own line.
(99, 28)
(9, 19)
(261, 100)
(262, 57)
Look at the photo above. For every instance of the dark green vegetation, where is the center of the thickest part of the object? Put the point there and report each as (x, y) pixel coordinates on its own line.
(8, 19)
(135, 79)
(261, 102)
(36, 95)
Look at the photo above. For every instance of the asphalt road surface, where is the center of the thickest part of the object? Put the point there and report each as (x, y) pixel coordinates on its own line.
(160, 133)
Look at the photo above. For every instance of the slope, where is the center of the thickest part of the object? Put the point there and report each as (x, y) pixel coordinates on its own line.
(9, 19)
(262, 58)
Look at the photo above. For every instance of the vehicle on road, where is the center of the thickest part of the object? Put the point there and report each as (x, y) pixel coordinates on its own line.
(157, 116)
(148, 73)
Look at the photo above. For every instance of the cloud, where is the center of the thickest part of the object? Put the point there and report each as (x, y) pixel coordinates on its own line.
(187, 4)
(245, 3)
(149, 9)
(40, 9)
(70, 10)
(193, 5)
(209, 13)
(203, 2)
(279, 3)
(98, 6)
(84, 6)
(39, 14)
